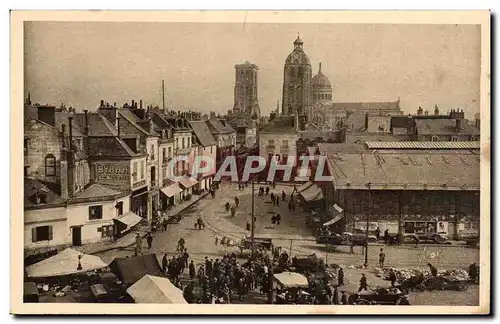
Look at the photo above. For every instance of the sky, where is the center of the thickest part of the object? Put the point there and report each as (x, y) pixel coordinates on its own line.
(80, 63)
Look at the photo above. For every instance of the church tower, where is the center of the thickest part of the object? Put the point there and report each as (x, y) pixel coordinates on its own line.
(297, 77)
(246, 98)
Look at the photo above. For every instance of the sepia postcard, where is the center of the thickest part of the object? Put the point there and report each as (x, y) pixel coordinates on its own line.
(250, 162)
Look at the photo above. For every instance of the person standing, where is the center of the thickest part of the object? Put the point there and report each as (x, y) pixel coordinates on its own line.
(377, 233)
(165, 224)
(149, 240)
(340, 277)
(233, 210)
(164, 263)
(227, 206)
(392, 277)
(267, 190)
(381, 258)
(277, 200)
(278, 219)
(386, 236)
(433, 269)
(363, 283)
(138, 244)
(236, 201)
(283, 195)
(192, 270)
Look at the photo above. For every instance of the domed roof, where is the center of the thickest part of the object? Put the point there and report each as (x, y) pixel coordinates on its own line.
(320, 80)
(298, 56)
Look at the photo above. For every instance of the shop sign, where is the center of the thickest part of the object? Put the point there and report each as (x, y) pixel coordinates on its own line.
(139, 184)
(362, 226)
(113, 172)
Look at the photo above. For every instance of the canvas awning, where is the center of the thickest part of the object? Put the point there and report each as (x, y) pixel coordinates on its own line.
(65, 263)
(337, 215)
(171, 190)
(292, 280)
(156, 290)
(304, 186)
(130, 219)
(188, 182)
(313, 193)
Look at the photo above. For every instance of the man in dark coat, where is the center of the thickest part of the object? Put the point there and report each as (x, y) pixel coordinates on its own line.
(149, 240)
(340, 277)
(434, 270)
(192, 270)
(283, 195)
(363, 283)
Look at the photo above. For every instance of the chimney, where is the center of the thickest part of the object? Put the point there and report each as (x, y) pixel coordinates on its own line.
(118, 126)
(366, 121)
(70, 122)
(420, 111)
(427, 113)
(140, 104)
(86, 129)
(458, 125)
(63, 130)
(102, 103)
(133, 103)
(436, 110)
(477, 123)
(151, 126)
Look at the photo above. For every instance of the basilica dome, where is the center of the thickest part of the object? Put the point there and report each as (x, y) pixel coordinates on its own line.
(320, 80)
(298, 56)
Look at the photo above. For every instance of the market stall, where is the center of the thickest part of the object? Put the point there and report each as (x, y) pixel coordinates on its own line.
(288, 280)
(64, 263)
(155, 290)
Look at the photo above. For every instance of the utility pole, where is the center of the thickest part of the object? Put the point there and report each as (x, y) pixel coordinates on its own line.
(253, 220)
(368, 221)
(163, 95)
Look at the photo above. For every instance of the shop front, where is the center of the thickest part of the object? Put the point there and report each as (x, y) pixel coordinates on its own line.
(139, 202)
(187, 184)
(170, 195)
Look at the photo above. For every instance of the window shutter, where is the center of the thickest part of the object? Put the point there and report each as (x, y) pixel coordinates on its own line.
(33, 234)
(50, 233)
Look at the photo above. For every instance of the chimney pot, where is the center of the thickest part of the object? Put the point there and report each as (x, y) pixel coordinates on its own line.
(118, 126)
(140, 104)
(102, 103)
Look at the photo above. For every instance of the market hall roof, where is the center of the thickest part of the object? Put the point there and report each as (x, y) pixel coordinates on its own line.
(203, 133)
(404, 169)
(466, 145)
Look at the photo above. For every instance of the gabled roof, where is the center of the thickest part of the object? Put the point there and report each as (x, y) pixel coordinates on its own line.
(98, 124)
(32, 187)
(203, 133)
(134, 121)
(280, 124)
(216, 127)
(112, 147)
(62, 119)
(96, 190)
(444, 127)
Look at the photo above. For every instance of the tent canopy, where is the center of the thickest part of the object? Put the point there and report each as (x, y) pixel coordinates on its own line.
(131, 270)
(188, 182)
(337, 215)
(65, 263)
(156, 290)
(304, 186)
(292, 280)
(312, 193)
(129, 219)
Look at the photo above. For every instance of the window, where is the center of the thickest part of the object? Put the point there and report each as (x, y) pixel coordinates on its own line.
(434, 138)
(270, 142)
(41, 233)
(164, 154)
(119, 208)
(183, 143)
(169, 152)
(152, 152)
(50, 165)
(95, 212)
(134, 172)
(284, 142)
(176, 143)
(454, 139)
(106, 231)
(142, 170)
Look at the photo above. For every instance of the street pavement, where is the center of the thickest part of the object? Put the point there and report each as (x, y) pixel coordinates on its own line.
(201, 243)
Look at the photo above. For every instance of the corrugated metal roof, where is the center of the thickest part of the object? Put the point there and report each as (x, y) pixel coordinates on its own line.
(424, 145)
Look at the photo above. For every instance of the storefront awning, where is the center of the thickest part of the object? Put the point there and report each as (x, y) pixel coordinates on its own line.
(171, 190)
(188, 182)
(304, 186)
(130, 219)
(313, 193)
(337, 215)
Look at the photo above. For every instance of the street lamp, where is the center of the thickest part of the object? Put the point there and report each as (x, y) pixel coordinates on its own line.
(367, 222)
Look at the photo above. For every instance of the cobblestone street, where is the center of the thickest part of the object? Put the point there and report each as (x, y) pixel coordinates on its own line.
(201, 243)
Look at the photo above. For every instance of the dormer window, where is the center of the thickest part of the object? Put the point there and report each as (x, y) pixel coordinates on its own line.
(434, 138)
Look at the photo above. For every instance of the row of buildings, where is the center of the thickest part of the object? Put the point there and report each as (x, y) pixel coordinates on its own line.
(92, 176)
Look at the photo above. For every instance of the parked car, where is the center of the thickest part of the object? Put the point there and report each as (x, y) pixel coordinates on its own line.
(379, 296)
